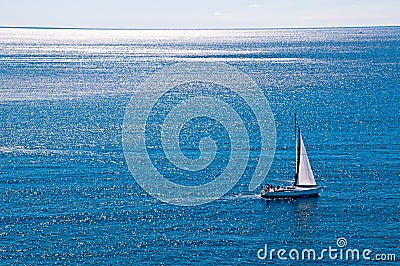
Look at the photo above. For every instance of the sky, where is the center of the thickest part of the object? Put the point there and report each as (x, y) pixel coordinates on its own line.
(195, 14)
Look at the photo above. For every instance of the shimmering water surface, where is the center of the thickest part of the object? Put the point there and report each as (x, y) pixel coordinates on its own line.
(67, 195)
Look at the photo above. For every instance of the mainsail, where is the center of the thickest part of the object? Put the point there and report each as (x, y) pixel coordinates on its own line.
(304, 175)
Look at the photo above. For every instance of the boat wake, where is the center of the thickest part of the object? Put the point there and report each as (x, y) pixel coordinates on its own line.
(239, 197)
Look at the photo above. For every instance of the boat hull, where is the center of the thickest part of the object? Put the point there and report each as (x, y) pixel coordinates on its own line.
(296, 192)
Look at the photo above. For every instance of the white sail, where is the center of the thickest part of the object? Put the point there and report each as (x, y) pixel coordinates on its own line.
(305, 174)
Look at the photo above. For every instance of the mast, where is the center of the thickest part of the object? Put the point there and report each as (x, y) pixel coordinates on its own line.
(296, 149)
(295, 132)
(298, 157)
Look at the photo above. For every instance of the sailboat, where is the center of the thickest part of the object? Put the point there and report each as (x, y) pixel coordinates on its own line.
(304, 184)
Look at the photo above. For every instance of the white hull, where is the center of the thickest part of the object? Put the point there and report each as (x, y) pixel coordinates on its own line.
(292, 192)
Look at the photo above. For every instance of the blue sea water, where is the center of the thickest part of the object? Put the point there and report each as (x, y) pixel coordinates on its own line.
(67, 196)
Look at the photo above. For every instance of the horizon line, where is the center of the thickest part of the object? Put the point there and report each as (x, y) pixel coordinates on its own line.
(233, 28)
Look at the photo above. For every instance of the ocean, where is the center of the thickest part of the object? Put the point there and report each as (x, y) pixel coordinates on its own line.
(67, 193)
